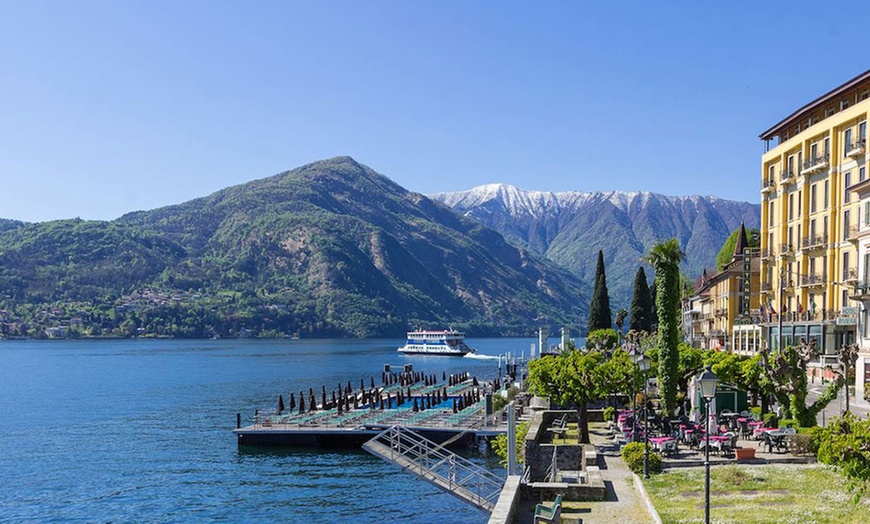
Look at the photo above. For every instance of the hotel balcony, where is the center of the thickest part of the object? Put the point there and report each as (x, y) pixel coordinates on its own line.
(850, 274)
(786, 177)
(787, 250)
(812, 280)
(721, 312)
(766, 286)
(852, 233)
(767, 185)
(856, 148)
(814, 242)
(813, 165)
(767, 253)
(861, 292)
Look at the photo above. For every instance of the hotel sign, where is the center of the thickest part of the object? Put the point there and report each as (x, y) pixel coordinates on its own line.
(746, 284)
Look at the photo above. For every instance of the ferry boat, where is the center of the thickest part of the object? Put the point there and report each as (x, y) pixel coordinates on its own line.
(449, 342)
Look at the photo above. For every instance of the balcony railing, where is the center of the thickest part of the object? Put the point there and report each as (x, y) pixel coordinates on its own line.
(814, 241)
(813, 280)
(786, 177)
(766, 286)
(852, 233)
(850, 274)
(856, 148)
(816, 164)
(767, 253)
(768, 184)
(721, 312)
(786, 249)
(861, 291)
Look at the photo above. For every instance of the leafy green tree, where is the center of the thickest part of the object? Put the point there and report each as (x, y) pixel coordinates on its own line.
(665, 257)
(618, 374)
(571, 378)
(602, 339)
(787, 371)
(599, 309)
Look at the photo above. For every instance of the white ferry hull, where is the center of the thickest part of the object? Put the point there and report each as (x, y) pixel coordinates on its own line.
(446, 343)
(444, 351)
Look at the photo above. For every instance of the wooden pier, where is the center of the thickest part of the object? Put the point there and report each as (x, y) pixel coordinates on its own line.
(451, 410)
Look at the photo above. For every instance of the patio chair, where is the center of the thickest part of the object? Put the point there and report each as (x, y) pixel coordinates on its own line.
(745, 430)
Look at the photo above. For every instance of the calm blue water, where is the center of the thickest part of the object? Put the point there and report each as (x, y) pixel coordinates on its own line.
(140, 431)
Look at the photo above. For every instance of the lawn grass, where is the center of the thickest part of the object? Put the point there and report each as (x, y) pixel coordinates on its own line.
(570, 436)
(756, 494)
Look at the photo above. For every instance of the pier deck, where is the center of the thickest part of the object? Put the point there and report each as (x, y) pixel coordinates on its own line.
(334, 427)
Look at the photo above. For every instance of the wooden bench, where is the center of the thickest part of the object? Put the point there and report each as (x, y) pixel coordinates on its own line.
(544, 513)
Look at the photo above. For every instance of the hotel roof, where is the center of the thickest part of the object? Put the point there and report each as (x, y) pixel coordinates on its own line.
(827, 97)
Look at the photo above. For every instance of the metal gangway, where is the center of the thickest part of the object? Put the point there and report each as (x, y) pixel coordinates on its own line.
(433, 463)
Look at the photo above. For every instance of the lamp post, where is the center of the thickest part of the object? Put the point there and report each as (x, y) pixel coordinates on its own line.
(708, 382)
(632, 354)
(644, 363)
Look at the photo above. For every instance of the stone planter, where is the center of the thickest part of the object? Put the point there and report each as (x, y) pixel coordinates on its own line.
(744, 453)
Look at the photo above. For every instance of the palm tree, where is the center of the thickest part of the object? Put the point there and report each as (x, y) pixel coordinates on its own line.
(665, 258)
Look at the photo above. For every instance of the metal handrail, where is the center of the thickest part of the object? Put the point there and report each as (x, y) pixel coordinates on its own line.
(457, 475)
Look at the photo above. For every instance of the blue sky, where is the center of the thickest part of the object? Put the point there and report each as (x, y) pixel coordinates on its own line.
(112, 106)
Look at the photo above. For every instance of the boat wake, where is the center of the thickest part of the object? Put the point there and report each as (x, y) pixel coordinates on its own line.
(481, 357)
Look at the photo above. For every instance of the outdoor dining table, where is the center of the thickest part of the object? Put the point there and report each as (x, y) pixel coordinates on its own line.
(776, 438)
(658, 441)
(758, 431)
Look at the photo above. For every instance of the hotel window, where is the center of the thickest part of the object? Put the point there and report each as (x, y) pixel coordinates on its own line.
(866, 268)
(800, 201)
(862, 130)
(770, 213)
(791, 206)
(770, 173)
(846, 225)
(847, 181)
(846, 266)
(867, 213)
(862, 174)
(827, 147)
(790, 164)
(814, 151)
(826, 199)
(812, 228)
(813, 198)
(790, 237)
(847, 141)
(824, 226)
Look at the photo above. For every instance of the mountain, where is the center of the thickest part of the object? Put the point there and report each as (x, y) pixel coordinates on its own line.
(328, 249)
(570, 227)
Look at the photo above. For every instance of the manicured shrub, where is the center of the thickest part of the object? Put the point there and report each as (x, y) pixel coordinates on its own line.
(788, 423)
(609, 413)
(632, 454)
(756, 412)
(771, 420)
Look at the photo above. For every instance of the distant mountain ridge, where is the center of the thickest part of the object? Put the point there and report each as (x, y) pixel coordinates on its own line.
(331, 248)
(570, 227)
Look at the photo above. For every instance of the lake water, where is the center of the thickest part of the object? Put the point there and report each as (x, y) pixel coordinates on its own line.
(141, 431)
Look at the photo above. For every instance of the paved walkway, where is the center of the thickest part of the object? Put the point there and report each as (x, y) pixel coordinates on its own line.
(624, 504)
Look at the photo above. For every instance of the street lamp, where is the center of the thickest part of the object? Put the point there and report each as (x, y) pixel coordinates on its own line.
(643, 364)
(708, 383)
(636, 358)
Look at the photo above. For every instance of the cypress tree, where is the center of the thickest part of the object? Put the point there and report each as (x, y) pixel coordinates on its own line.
(599, 309)
(641, 304)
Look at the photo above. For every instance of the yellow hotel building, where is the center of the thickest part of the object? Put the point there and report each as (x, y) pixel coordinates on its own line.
(808, 216)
